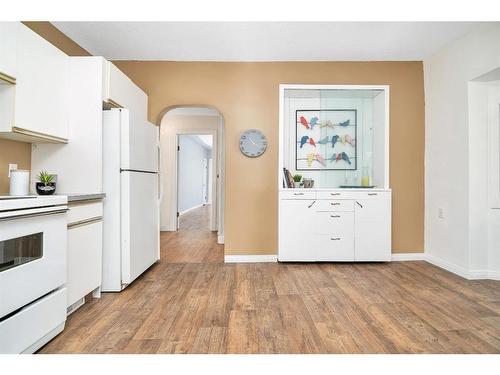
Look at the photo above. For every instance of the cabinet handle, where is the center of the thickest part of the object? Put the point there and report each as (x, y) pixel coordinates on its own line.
(372, 193)
(334, 215)
(335, 204)
(359, 204)
(335, 238)
(312, 204)
(334, 193)
(298, 193)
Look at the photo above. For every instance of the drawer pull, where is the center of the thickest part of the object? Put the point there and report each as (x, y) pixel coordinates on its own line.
(372, 193)
(335, 238)
(334, 215)
(298, 193)
(334, 193)
(335, 204)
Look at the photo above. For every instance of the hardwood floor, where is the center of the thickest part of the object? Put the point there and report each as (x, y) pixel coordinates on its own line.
(211, 307)
(193, 242)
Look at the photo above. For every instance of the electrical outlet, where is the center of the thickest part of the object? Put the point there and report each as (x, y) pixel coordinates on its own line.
(440, 213)
(12, 167)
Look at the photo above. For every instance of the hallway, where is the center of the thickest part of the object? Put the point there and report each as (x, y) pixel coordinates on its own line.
(193, 242)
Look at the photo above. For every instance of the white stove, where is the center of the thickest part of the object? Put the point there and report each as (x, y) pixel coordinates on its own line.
(32, 271)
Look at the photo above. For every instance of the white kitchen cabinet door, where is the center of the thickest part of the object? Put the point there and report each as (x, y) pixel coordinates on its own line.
(296, 242)
(373, 230)
(42, 86)
(8, 31)
(84, 271)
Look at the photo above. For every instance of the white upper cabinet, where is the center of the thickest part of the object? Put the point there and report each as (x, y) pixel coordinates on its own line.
(41, 87)
(8, 49)
(40, 103)
(120, 92)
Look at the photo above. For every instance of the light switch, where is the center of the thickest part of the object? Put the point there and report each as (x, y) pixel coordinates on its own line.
(12, 167)
(440, 213)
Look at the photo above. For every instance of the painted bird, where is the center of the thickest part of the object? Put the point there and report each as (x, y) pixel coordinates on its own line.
(320, 159)
(345, 123)
(310, 158)
(327, 124)
(335, 139)
(311, 142)
(339, 157)
(333, 158)
(303, 121)
(303, 140)
(349, 139)
(323, 141)
(313, 122)
(345, 157)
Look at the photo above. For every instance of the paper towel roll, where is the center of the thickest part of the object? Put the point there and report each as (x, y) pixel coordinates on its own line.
(19, 182)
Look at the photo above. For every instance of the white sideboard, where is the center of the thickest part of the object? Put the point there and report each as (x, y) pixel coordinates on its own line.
(336, 225)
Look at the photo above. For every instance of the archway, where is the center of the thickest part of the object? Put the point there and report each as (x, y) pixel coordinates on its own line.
(173, 122)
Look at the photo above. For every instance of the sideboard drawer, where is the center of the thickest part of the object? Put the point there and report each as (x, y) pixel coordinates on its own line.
(334, 223)
(334, 248)
(334, 205)
(298, 194)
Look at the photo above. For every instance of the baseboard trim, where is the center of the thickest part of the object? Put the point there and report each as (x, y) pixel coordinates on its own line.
(190, 209)
(250, 258)
(220, 239)
(453, 268)
(404, 257)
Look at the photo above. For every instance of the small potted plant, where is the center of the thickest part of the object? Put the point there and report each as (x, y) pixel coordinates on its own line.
(297, 179)
(45, 184)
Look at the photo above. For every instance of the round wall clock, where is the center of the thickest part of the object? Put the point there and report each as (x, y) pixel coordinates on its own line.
(253, 143)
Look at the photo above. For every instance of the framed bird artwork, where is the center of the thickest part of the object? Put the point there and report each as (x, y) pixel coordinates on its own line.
(325, 139)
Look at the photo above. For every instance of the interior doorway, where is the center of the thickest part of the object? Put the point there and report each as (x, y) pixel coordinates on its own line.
(195, 180)
(192, 170)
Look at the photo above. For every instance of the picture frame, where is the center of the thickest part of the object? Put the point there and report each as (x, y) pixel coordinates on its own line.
(325, 139)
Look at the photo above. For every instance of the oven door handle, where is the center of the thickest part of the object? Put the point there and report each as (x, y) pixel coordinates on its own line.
(34, 214)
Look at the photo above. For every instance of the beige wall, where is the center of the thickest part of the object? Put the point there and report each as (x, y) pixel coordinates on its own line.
(246, 94)
(12, 152)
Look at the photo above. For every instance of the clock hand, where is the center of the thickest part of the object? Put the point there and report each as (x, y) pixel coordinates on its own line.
(251, 140)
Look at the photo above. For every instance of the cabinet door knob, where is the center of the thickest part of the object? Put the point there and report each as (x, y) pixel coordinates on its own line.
(335, 238)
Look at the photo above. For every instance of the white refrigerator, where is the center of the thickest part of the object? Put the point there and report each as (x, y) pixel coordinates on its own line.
(131, 226)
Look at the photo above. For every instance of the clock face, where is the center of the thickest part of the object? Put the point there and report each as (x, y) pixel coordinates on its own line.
(253, 143)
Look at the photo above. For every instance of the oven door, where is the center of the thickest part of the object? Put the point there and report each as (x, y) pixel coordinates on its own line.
(32, 257)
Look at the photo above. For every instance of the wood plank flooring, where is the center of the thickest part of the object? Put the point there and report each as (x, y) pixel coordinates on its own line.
(191, 302)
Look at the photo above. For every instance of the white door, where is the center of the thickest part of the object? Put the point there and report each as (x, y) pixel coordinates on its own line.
(373, 230)
(139, 144)
(140, 230)
(295, 230)
(204, 182)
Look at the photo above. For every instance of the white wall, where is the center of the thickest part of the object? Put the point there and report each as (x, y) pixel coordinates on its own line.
(455, 149)
(190, 172)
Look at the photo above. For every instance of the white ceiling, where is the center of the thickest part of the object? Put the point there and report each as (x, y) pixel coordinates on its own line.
(264, 41)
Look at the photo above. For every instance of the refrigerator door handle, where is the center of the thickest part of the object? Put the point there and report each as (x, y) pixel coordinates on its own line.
(160, 188)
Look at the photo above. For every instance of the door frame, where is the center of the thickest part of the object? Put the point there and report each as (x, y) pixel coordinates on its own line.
(213, 214)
